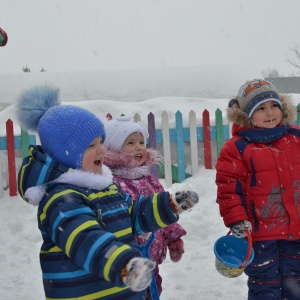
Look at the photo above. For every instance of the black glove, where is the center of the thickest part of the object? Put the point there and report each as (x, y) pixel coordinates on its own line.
(238, 229)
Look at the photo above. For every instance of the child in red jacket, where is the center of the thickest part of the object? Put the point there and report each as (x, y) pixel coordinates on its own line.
(258, 179)
(129, 159)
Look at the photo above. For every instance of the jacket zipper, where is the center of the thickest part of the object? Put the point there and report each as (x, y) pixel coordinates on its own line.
(100, 218)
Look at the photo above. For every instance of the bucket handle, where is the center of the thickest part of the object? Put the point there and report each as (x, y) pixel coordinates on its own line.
(249, 250)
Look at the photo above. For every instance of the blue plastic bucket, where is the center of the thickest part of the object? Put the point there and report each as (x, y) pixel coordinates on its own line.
(233, 255)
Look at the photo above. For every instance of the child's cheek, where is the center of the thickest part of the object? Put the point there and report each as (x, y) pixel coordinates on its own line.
(88, 162)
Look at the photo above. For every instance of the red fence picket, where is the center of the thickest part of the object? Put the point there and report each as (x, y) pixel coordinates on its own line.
(11, 158)
(207, 140)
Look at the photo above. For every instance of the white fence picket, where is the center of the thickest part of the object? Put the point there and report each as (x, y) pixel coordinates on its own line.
(167, 148)
(193, 142)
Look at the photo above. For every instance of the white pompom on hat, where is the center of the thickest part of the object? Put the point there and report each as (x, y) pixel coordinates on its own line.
(118, 130)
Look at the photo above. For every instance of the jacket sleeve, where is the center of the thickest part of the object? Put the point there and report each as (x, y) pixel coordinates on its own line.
(152, 213)
(66, 221)
(231, 174)
(173, 232)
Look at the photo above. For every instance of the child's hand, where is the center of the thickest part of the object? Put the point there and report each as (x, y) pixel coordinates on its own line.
(137, 273)
(184, 200)
(238, 229)
(176, 250)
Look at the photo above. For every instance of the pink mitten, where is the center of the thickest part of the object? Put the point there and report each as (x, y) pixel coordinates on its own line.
(176, 250)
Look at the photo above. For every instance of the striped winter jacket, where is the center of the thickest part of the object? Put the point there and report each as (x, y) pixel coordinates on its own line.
(258, 179)
(87, 225)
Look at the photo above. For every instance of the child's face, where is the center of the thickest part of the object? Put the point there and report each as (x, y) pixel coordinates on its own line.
(93, 156)
(267, 115)
(134, 144)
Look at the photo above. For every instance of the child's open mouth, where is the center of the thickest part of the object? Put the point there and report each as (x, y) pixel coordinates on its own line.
(97, 162)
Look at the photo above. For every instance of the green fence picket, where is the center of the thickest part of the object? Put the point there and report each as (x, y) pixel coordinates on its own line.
(219, 130)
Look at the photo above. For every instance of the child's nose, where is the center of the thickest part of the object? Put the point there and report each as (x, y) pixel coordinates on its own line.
(99, 148)
(269, 111)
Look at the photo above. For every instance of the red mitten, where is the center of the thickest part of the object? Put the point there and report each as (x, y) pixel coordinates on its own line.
(176, 250)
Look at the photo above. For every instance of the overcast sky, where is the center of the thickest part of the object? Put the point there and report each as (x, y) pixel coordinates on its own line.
(67, 35)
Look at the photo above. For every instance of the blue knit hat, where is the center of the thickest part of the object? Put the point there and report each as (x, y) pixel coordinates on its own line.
(65, 131)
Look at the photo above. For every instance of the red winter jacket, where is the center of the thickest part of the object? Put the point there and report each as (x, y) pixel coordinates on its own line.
(258, 179)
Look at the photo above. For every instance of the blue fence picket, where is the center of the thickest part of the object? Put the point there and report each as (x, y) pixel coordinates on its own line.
(180, 146)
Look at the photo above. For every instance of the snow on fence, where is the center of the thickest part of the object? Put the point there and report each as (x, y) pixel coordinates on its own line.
(183, 150)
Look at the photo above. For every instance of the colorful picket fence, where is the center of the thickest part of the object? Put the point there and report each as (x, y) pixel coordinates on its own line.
(179, 136)
(171, 169)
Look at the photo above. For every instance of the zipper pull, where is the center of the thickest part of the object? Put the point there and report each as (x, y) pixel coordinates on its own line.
(100, 218)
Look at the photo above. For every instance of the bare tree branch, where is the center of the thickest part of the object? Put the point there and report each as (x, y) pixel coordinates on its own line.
(295, 62)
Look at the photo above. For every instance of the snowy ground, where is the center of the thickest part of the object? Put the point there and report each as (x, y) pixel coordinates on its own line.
(194, 277)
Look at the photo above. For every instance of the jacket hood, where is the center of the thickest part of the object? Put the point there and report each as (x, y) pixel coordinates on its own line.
(38, 170)
(116, 159)
(239, 117)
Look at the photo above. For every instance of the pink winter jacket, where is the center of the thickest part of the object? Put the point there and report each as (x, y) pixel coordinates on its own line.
(136, 182)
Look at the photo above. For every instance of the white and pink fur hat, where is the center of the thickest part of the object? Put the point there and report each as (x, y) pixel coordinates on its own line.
(118, 130)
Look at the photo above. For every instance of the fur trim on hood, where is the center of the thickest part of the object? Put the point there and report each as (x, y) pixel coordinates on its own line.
(116, 159)
(80, 178)
(239, 117)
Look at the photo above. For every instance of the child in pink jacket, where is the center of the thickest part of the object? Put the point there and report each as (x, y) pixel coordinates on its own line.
(129, 160)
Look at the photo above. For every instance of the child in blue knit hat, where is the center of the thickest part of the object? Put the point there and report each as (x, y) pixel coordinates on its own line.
(87, 223)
